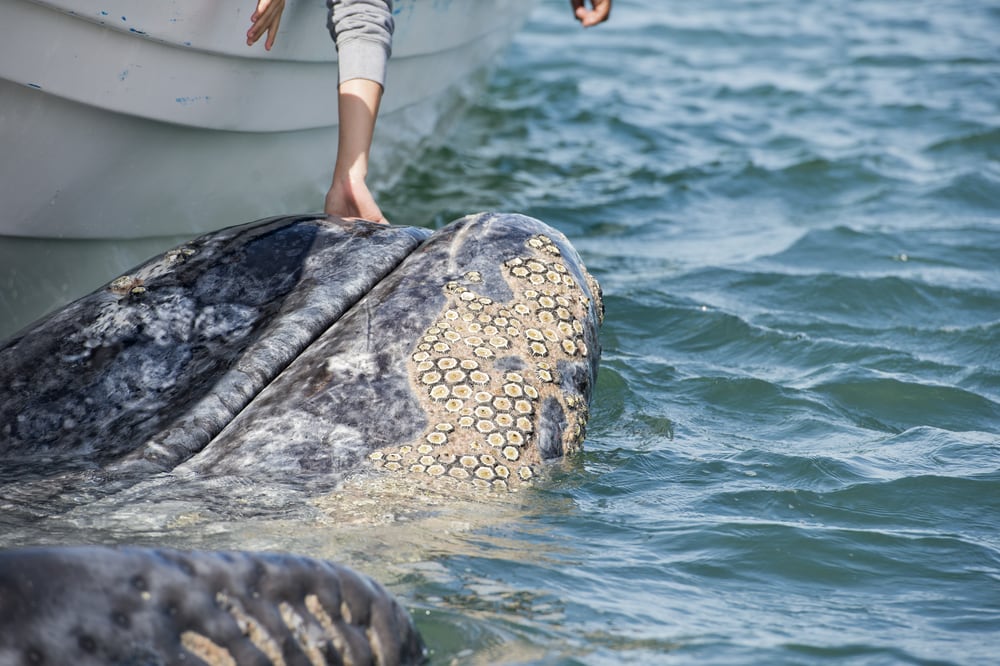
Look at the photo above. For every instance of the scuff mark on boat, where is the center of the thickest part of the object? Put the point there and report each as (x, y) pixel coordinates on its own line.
(187, 101)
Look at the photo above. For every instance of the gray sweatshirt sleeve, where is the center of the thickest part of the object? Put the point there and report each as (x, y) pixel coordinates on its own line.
(362, 30)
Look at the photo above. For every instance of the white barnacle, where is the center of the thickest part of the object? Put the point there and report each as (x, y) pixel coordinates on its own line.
(436, 438)
(499, 342)
(538, 349)
(454, 376)
(513, 390)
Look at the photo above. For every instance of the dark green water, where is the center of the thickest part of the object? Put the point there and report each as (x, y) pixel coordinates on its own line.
(794, 451)
(794, 454)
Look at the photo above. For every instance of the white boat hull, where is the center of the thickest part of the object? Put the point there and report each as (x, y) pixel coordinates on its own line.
(128, 119)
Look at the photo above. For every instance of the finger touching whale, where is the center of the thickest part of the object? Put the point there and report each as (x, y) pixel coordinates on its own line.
(312, 348)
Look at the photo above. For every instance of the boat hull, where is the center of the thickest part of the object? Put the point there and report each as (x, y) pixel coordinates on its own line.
(135, 121)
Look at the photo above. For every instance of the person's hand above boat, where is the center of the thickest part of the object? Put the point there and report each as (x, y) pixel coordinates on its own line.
(591, 17)
(266, 18)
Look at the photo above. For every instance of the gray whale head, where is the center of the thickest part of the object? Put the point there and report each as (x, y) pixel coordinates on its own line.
(309, 348)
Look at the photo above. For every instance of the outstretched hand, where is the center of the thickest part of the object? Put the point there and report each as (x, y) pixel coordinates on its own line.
(591, 17)
(266, 18)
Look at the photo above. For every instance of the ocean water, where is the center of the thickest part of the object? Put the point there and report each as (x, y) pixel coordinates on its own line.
(794, 447)
(794, 451)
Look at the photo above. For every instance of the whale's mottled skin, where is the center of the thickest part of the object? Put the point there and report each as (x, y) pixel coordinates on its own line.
(138, 376)
(307, 349)
(474, 361)
(133, 606)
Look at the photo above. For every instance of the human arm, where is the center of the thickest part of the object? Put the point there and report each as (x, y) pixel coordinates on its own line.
(591, 17)
(349, 196)
(265, 18)
(362, 30)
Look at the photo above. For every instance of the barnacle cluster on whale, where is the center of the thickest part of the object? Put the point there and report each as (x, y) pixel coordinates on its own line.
(483, 369)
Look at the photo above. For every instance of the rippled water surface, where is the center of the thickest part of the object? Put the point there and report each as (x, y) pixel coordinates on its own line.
(794, 454)
(794, 451)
